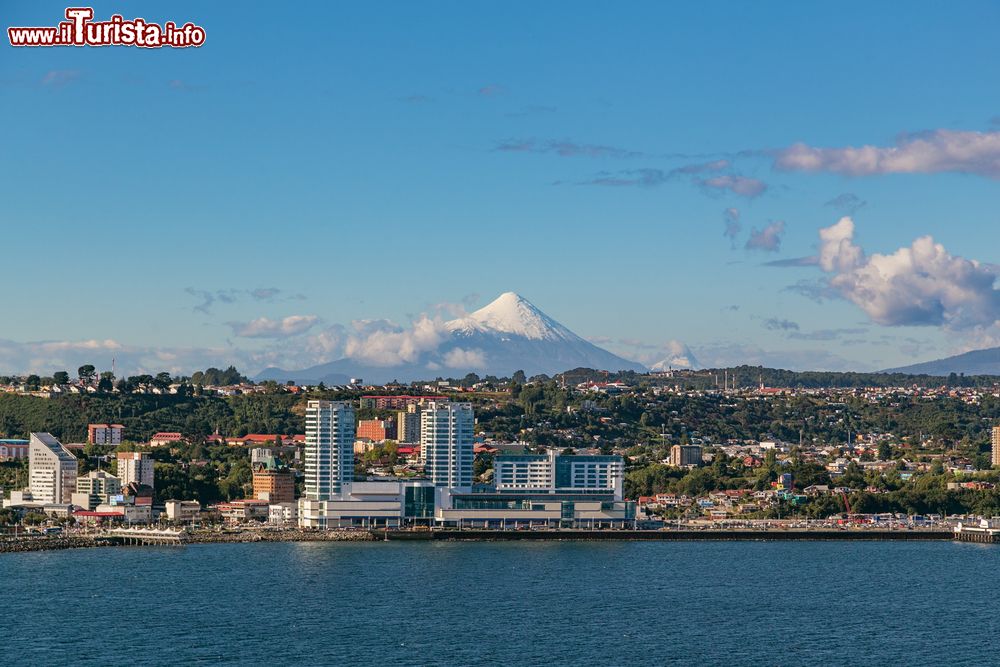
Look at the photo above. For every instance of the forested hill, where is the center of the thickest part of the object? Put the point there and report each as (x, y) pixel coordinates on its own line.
(145, 414)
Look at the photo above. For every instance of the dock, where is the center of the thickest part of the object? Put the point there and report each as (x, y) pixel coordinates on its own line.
(984, 533)
(143, 537)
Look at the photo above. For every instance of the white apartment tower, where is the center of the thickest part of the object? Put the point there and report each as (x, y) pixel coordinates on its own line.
(329, 449)
(446, 435)
(135, 467)
(51, 470)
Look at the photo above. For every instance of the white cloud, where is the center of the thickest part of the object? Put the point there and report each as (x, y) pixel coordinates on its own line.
(383, 343)
(917, 285)
(740, 185)
(264, 327)
(459, 358)
(767, 239)
(929, 152)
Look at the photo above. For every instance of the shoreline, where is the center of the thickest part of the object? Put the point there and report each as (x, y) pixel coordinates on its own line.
(736, 535)
(29, 544)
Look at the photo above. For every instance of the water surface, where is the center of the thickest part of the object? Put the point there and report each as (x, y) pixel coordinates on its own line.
(556, 603)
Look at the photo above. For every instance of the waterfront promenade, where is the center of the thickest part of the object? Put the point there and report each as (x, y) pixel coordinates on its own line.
(673, 535)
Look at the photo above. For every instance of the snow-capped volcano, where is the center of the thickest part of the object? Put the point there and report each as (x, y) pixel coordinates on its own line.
(507, 335)
(679, 355)
(511, 313)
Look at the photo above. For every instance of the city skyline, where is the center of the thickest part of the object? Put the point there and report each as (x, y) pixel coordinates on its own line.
(670, 177)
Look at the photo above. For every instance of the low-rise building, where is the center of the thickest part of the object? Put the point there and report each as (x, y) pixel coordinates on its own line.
(282, 514)
(105, 434)
(12, 449)
(165, 438)
(244, 510)
(95, 488)
(182, 511)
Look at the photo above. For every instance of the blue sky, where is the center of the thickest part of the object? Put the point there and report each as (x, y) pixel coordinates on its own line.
(368, 161)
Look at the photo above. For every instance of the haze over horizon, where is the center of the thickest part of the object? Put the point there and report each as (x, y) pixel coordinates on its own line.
(664, 180)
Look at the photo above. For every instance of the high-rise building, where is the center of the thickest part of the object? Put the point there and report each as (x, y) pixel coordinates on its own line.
(135, 467)
(408, 424)
(685, 455)
(105, 434)
(446, 443)
(329, 448)
(996, 446)
(51, 470)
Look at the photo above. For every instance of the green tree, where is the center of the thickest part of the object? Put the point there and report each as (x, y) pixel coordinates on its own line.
(162, 380)
(60, 377)
(884, 451)
(86, 373)
(34, 518)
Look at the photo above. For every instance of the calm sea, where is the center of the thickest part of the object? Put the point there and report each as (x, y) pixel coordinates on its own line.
(552, 603)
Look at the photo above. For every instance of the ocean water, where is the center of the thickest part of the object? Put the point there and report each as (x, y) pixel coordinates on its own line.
(513, 603)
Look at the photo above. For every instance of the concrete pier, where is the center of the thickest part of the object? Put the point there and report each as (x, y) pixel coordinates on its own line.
(144, 536)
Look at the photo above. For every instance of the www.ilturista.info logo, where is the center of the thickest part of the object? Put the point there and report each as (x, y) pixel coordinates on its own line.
(81, 30)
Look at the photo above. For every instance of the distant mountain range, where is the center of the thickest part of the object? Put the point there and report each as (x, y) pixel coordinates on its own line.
(977, 362)
(508, 335)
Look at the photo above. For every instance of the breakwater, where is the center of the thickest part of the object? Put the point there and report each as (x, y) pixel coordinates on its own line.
(50, 543)
(290, 535)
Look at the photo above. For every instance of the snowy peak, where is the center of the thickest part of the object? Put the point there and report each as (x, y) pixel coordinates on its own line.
(512, 314)
(679, 355)
(506, 336)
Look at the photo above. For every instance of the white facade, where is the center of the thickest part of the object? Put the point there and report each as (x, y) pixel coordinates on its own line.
(364, 504)
(552, 473)
(105, 434)
(94, 488)
(259, 454)
(135, 467)
(329, 448)
(446, 443)
(282, 514)
(525, 473)
(51, 470)
(182, 511)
